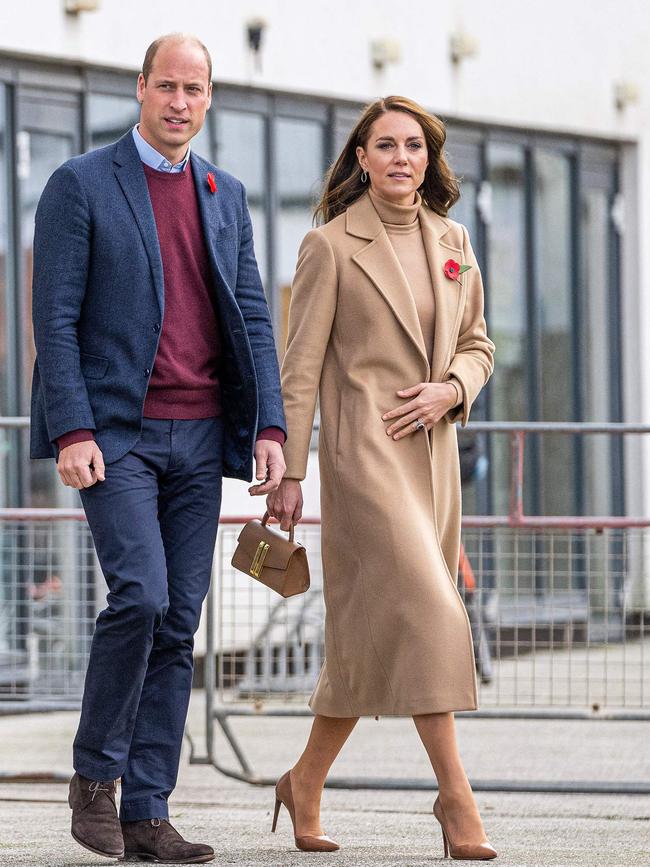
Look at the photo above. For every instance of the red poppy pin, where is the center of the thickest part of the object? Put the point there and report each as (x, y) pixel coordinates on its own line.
(212, 183)
(453, 269)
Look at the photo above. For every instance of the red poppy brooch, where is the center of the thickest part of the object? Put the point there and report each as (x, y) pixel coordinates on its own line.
(453, 269)
(212, 183)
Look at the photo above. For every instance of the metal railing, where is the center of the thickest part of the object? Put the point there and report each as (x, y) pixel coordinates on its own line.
(552, 607)
(553, 612)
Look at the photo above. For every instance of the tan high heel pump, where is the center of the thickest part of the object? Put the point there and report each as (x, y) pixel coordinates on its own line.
(466, 851)
(284, 795)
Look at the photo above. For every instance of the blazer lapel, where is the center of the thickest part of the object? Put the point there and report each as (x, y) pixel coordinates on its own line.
(448, 294)
(131, 177)
(212, 220)
(380, 264)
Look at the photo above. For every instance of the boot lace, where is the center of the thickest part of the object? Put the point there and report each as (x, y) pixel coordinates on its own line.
(97, 786)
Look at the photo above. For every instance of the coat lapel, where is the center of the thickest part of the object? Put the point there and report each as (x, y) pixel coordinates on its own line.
(131, 178)
(448, 294)
(380, 264)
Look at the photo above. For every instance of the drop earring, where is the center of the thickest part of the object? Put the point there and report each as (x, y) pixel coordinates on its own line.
(364, 176)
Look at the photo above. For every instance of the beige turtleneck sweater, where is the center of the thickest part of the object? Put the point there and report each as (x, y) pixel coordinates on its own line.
(403, 228)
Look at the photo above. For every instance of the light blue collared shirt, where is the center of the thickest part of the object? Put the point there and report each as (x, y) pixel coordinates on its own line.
(155, 160)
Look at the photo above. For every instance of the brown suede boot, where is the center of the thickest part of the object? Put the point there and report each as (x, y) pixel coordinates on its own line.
(156, 840)
(95, 824)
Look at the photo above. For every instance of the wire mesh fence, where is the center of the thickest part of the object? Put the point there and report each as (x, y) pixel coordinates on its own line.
(558, 608)
(267, 646)
(555, 618)
(49, 594)
(552, 612)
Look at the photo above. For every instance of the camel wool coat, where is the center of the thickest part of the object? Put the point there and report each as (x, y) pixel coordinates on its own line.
(397, 635)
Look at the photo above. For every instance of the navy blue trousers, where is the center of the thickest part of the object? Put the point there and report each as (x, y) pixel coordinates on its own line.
(154, 524)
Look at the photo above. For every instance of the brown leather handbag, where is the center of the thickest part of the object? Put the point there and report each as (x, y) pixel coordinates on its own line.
(270, 558)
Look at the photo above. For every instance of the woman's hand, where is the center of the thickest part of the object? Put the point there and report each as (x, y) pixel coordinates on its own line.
(428, 402)
(285, 503)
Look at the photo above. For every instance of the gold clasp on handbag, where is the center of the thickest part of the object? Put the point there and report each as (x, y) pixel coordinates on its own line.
(258, 559)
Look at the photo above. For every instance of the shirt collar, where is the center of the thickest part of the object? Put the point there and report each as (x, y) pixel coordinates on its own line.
(155, 160)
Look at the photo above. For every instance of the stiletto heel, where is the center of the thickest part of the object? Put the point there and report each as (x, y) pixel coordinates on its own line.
(278, 804)
(445, 845)
(464, 851)
(284, 795)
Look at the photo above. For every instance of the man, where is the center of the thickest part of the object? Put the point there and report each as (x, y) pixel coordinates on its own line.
(155, 373)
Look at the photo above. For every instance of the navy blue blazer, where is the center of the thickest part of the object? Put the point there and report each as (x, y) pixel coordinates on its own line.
(98, 301)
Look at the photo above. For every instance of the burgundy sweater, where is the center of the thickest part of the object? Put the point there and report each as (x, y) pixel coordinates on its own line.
(185, 378)
(184, 383)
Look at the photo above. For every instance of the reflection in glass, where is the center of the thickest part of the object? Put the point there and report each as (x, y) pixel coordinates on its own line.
(202, 141)
(4, 232)
(110, 117)
(553, 279)
(46, 153)
(464, 211)
(595, 347)
(4, 264)
(299, 172)
(507, 308)
(240, 151)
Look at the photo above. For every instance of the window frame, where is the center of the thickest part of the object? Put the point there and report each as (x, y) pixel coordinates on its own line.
(469, 139)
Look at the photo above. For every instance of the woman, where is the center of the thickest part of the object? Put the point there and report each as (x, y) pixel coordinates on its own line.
(386, 326)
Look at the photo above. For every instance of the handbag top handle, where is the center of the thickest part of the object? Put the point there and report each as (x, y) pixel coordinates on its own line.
(265, 521)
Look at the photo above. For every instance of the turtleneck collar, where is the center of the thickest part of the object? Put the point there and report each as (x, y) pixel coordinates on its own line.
(395, 215)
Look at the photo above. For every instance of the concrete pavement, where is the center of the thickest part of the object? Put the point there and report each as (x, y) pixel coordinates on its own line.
(378, 828)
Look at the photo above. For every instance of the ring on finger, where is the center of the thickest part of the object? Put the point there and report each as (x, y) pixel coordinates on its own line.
(420, 425)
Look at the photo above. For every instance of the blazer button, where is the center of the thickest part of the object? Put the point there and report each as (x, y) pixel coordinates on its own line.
(147, 371)
(156, 327)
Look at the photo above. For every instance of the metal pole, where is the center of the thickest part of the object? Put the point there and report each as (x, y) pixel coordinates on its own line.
(209, 668)
(517, 477)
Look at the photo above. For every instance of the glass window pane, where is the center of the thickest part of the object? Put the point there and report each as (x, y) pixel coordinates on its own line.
(240, 151)
(553, 276)
(5, 409)
(506, 314)
(4, 232)
(47, 151)
(596, 385)
(202, 141)
(109, 117)
(475, 489)
(299, 173)
(464, 211)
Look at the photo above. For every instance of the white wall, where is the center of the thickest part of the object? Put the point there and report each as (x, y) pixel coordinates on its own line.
(552, 64)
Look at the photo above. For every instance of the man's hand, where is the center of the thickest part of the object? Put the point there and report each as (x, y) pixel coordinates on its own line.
(81, 465)
(427, 402)
(285, 504)
(269, 467)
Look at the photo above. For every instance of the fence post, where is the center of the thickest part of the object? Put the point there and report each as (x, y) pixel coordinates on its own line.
(517, 441)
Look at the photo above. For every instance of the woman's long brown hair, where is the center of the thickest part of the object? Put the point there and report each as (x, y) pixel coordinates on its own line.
(343, 184)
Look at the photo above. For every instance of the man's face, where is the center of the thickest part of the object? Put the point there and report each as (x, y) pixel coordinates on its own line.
(175, 98)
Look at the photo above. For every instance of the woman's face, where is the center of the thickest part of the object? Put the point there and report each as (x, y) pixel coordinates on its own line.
(395, 157)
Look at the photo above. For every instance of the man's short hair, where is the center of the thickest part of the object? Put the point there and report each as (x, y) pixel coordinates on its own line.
(151, 52)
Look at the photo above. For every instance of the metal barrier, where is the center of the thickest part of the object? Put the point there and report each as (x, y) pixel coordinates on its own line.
(554, 631)
(572, 644)
(551, 615)
(571, 651)
(51, 590)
